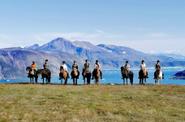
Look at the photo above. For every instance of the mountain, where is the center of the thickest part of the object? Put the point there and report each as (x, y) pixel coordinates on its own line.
(13, 61)
(180, 74)
(177, 57)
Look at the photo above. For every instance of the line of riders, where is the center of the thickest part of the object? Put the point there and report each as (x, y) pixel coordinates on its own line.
(126, 73)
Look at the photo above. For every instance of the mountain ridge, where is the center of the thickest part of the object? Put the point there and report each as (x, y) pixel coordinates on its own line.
(13, 61)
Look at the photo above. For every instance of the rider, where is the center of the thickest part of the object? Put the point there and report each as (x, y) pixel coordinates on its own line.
(75, 66)
(143, 67)
(158, 69)
(33, 66)
(98, 66)
(86, 64)
(158, 66)
(127, 66)
(65, 68)
(45, 65)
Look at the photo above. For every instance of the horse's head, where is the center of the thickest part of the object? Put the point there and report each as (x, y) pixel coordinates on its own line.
(28, 68)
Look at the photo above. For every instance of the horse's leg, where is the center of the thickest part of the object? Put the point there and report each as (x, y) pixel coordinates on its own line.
(155, 81)
(73, 81)
(88, 80)
(84, 79)
(36, 79)
(141, 81)
(159, 82)
(131, 80)
(49, 79)
(42, 80)
(76, 81)
(61, 81)
(97, 82)
(123, 81)
(65, 81)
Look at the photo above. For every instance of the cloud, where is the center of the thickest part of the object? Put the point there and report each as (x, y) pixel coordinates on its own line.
(158, 35)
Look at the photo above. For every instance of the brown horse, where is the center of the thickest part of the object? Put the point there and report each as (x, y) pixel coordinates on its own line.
(63, 75)
(96, 74)
(45, 74)
(86, 73)
(127, 75)
(75, 75)
(31, 74)
(143, 75)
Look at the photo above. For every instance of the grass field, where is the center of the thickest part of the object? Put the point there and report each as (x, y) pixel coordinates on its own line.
(92, 103)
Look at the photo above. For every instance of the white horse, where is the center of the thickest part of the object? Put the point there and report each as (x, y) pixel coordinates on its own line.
(158, 76)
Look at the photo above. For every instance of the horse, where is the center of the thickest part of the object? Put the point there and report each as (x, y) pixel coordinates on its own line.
(31, 74)
(158, 75)
(143, 75)
(86, 75)
(127, 75)
(96, 74)
(75, 75)
(63, 75)
(45, 74)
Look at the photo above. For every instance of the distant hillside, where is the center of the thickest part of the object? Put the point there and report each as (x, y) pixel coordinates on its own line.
(13, 61)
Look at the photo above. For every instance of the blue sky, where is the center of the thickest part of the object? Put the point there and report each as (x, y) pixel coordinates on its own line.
(151, 26)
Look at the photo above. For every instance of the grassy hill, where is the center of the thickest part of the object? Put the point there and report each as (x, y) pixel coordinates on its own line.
(91, 103)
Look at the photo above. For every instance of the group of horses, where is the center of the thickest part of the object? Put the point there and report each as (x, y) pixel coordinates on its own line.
(88, 75)
(64, 75)
(143, 75)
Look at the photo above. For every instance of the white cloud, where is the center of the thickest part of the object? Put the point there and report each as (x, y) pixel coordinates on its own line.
(157, 35)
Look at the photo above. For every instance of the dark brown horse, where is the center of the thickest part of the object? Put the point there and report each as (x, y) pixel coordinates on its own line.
(75, 76)
(86, 73)
(63, 75)
(127, 75)
(96, 74)
(31, 74)
(45, 74)
(143, 75)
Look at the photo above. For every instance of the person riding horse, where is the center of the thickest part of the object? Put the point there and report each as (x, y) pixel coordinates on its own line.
(45, 65)
(86, 73)
(46, 72)
(127, 73)
(98, 66)
(64, 73)
(75, 73)
(158, 66)
(97, 73)
(143, 73)
(33, 67)
(65, 68)
(127, 66)
(158, 73)
(31, 71)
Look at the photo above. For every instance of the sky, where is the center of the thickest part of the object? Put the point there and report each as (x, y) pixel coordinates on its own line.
(151, 26)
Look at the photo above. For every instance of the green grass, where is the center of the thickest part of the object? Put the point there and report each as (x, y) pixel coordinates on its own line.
(92, 103)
